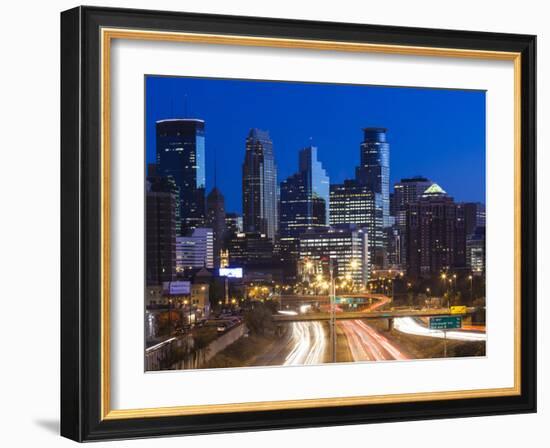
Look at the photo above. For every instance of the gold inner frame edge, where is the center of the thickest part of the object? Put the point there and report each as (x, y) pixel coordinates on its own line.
(107, 35)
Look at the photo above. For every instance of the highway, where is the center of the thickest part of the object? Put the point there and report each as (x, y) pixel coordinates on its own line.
(410, 325)
(308, 344)
(367, 344)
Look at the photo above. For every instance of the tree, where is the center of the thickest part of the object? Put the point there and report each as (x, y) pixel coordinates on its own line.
(259, 319)
(457, 298)
(410, 298)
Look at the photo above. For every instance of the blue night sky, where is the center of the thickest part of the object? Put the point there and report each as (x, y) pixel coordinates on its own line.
(436, 133)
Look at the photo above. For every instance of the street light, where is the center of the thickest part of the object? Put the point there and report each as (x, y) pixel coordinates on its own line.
(185, 302)
(450, 292)
(170, 317)
(444, 281)
(332, 311)
(471, 278)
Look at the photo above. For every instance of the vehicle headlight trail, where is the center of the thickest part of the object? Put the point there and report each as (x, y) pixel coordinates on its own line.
(411, 326)
(367, 344)
(308, 344)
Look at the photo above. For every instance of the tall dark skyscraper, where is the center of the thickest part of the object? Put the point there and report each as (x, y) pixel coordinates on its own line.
(304, 205)
(435, 234)
(374, 168)
(215, 219)
(405, 192)
(259, 184)
(181, 155)
(160, 230)
(474, 216)
(304, 201)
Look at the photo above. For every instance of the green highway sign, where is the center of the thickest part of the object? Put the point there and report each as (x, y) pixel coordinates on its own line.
(445, 322)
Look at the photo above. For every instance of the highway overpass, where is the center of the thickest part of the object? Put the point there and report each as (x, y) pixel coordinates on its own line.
(388, 314)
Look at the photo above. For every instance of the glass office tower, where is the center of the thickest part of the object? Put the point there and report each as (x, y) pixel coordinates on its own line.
(181, 155)
(304, 205)
(374, 170)
(304, 201)
(354, 203)
(259, 185)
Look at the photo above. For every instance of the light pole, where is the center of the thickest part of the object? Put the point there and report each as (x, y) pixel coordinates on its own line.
(332, 312)
(226, 290)
(444, 281)
(186, 303)
(449, 291)
(471, 278)
(170, 317)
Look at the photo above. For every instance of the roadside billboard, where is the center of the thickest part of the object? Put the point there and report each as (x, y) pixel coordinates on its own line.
(231, 272)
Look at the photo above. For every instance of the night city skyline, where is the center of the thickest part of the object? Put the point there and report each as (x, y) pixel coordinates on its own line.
(295, 224)
(424, 120)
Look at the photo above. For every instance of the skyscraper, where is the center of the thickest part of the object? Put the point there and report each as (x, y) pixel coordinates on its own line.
(435, 234)
(474, 216)
(251, 251)
(345, 245)
(195, 251)
(304, 204)
(475, 251)
(160, 230)
(259, 185)
(405, 192)
(181, 154)
(162, 184)
(374, 168)
(315, 179)
(354, 203)
(233, 225)
(215, 219)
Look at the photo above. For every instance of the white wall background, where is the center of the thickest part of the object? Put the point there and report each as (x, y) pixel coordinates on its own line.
(29, 223)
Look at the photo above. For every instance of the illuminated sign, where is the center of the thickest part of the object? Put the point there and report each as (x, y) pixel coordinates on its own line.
(176, 288)
(231, 272)
(459, 310)
(445, 322)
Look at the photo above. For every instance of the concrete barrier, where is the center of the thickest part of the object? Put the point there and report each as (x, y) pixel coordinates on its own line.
(198, 358)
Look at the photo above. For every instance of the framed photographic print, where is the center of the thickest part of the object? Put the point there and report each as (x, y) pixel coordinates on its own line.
(276, 224)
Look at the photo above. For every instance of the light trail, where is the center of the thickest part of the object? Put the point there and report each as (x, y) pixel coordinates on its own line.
(380, 303)
(308, 342)
(367, 344)
(411, 326)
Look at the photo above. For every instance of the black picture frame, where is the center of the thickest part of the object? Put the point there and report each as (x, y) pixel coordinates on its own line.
(81, 224)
